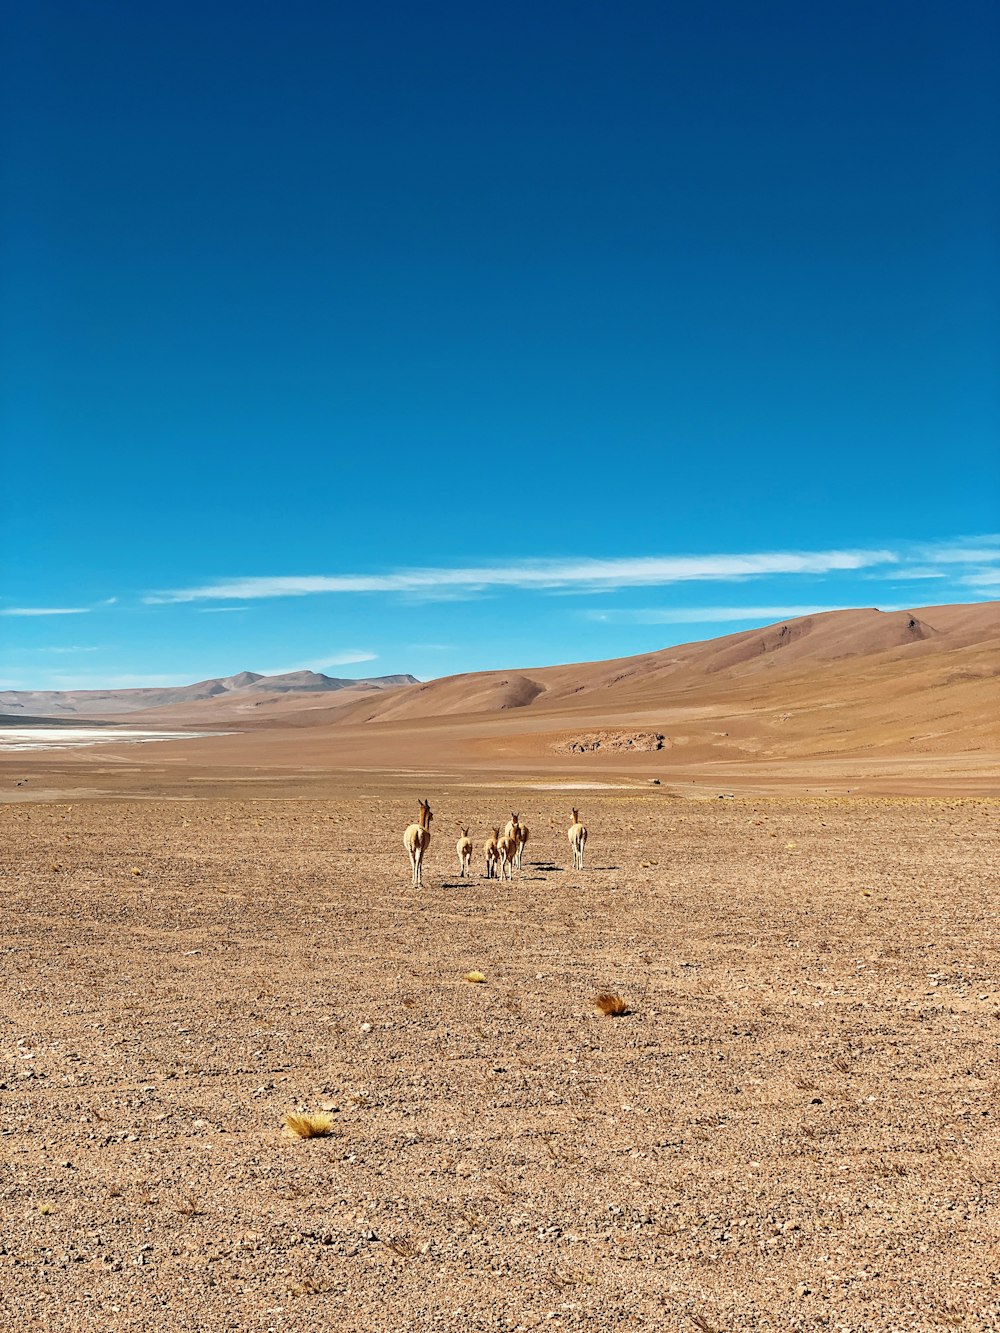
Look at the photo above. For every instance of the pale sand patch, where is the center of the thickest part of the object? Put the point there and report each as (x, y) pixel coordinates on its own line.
(22, 795)
(31, 739)
(579, 786)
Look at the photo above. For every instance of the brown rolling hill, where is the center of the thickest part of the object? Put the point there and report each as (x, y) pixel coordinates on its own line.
(843, 682)
(800, 655)
(839, 693)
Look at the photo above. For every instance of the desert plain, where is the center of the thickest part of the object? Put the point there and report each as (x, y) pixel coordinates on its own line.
(793, 1126)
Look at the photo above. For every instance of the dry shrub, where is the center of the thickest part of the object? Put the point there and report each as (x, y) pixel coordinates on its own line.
(611, 1005)
(474, 976)
(308, 1125)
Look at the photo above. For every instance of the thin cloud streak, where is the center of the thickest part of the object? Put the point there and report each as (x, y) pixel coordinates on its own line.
(975, 551)
(986, 580)
(44, 611)
(73, 649)
(349, 658)
(706, 615)
(910, 573)
(537, 575)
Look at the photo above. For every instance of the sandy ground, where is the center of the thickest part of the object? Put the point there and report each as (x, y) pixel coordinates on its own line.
(795, 1127)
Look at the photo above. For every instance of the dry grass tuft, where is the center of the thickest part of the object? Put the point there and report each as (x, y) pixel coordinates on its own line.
(611, 1005)
(308, 1125)
(474, 976)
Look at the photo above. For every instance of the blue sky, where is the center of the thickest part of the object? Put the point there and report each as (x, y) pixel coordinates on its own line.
(381, 338)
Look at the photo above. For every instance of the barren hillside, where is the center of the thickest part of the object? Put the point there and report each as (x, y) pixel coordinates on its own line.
(898, 699)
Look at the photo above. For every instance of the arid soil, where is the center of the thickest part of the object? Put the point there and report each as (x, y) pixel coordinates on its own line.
(794, 1128)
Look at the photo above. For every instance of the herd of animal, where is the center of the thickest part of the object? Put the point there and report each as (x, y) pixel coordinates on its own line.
(503, 852)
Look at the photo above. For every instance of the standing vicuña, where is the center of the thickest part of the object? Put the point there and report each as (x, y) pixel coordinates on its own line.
(491, 848)
(507, 847)
(577, 834)
(519, 832)
(464, 849)
(417, 839)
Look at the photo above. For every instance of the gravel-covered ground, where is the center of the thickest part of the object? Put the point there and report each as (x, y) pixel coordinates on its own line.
(795, 1127)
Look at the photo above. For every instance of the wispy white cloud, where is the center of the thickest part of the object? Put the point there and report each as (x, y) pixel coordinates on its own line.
(904, 573)
(218, 610)
(985, 580)
(44, 611)
(972, 551)
(72, 649)
(543, 575)
(950, 562)
(705, 615)
(429, 596)
(348, 658)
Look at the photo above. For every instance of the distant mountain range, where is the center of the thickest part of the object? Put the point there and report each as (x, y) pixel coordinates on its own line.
(17, 705)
